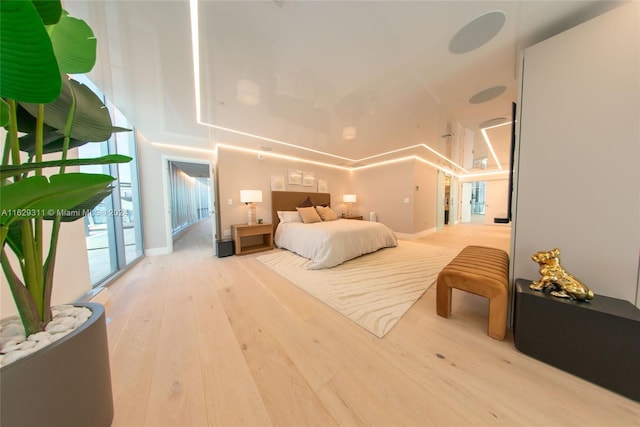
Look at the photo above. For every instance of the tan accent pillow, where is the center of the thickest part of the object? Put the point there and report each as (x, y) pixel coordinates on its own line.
(309, 215)
(326, 213)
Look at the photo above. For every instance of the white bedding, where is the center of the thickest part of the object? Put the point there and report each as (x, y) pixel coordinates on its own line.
(330, 243)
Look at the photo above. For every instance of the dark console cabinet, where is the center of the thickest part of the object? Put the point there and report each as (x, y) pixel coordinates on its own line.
(598, 340)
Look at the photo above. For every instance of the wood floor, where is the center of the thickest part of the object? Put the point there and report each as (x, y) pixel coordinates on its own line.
(202, 341)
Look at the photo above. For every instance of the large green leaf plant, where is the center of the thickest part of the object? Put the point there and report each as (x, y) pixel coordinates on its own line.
(44, 111)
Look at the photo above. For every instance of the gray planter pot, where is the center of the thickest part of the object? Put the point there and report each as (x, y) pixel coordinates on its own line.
(67, 383)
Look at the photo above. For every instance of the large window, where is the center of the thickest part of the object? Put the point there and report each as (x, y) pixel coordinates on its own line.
(113, 228)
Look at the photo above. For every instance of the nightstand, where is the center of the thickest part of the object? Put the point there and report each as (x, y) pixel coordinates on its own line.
(252, 238)
(353, 217)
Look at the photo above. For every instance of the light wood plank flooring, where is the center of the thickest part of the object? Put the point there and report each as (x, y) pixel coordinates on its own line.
(197, 340)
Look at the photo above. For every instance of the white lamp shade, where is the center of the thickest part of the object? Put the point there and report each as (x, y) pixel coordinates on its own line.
(251, 196)
(248, 92)
(349, 133)
(349, 198)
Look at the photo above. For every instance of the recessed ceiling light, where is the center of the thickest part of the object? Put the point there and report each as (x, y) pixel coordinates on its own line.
(487, 95)
(477, 32)
(492, 122)
(248, 92)
(349, 133)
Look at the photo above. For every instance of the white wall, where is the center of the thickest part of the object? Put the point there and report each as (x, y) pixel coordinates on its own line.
(578, 154)
(496, 200)
(384, 189)
(151, 161)
(238, 170)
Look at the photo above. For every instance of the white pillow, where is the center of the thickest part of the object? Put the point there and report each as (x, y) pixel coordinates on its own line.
(289, 216)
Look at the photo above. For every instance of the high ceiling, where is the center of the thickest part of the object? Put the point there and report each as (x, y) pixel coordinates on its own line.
(293, 78)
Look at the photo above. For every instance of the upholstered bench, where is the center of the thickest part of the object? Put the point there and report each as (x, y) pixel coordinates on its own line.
(482, 271)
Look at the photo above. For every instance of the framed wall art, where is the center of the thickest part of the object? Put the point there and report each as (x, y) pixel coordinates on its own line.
(294, 176)
(277, 183)
(308, 179)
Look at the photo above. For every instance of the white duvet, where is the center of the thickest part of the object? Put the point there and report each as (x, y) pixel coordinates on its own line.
(330, 243)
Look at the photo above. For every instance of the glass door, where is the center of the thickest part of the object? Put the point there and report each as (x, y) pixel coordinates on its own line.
(129, 190)
(113, 229)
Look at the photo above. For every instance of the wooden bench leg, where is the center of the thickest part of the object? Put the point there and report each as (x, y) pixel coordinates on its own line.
(443, 298)
(497, 328)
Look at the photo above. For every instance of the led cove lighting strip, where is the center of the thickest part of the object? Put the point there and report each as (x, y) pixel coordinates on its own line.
(412, 147)
(346, 168)
(486, 139)
(195, 52)
(182, 147)
(195, 49)
(282, 156)
(238, 132)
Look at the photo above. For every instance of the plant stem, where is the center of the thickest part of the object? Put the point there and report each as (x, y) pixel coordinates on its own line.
(55, 228)
(13, 133)
(39, 148)
(50, 264)
(26, 307)
(31, 269)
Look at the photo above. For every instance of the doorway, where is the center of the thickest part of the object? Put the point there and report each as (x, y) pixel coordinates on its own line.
(447, 199)
(189, 194)
(478, 201)
(465, 203)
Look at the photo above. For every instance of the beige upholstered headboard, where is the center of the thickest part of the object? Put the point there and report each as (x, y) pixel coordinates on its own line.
(289, 200)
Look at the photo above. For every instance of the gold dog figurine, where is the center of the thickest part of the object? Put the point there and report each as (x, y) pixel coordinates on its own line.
(553, 275)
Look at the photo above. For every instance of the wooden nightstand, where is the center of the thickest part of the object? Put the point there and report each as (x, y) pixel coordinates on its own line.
(353, 217)
(252, 238)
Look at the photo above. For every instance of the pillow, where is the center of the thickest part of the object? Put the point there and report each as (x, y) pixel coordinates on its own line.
(326, 213)
(309, 215)
(307, 203)
(289, 216)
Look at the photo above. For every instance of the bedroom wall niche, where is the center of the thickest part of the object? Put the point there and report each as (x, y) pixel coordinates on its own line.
(402, 194)
(429, 198)
(577, 158)
(382, 189)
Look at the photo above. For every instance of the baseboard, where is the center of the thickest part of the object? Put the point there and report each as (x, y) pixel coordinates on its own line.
(407, 236)
(157, 251)
(102, 297)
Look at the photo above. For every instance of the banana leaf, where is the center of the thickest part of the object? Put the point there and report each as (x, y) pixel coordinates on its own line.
(49, 10)
(15, 170)
(39, 197)
(92, 121)
(27, 122)
(73, 44)
(53, 142)
(33, 77)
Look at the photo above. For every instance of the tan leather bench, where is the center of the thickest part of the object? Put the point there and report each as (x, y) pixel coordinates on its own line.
(482, 271)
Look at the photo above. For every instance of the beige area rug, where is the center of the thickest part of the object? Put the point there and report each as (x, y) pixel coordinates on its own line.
(373, 290)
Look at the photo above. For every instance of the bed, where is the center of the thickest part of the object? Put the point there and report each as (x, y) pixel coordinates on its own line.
(325, 243)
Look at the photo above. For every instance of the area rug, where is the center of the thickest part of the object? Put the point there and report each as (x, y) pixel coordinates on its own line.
(373, 290)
